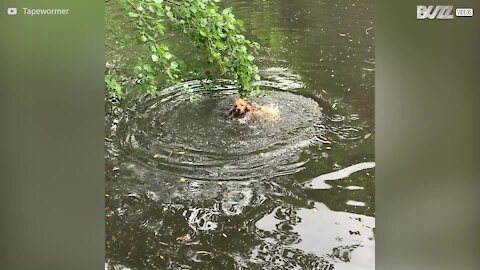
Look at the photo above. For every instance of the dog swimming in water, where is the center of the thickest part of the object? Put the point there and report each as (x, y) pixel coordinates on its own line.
(242, 109)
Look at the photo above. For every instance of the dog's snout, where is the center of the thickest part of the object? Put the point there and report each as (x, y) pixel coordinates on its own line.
(239, 108)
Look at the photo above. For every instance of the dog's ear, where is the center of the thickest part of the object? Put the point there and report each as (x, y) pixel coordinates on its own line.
(248, 108)
(230, 111)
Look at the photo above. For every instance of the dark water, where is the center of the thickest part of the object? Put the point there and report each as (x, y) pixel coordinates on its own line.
(187, 188)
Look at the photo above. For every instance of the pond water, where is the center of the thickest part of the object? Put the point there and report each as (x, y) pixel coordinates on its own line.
(187, 188)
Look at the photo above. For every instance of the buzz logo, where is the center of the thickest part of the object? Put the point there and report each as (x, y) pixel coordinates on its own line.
(434, 12)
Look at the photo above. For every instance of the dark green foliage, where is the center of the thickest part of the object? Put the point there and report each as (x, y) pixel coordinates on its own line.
(215, 31)
(113, 87)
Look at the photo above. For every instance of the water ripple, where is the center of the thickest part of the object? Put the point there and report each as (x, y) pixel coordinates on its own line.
(172, 135)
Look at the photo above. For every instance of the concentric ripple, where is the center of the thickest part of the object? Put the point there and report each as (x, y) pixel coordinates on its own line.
(171, 135)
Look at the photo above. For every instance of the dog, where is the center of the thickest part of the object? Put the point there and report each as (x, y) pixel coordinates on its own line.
(242, 109)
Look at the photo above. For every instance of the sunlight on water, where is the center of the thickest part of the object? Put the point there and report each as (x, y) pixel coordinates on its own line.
(319, 182)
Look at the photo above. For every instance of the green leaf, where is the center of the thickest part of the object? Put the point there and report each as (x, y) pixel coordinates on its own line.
(160, 28)
(147, 68)
(215, 31)
(211, 10)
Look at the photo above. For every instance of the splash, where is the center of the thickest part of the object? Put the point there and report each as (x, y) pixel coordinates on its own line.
(172, 136)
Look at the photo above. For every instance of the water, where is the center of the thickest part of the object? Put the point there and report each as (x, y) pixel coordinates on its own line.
(187, 188)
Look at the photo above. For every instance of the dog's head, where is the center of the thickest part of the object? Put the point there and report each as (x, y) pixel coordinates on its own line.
(240, 107)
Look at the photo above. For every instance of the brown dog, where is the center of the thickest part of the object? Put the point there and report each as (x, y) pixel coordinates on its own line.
(240, 108)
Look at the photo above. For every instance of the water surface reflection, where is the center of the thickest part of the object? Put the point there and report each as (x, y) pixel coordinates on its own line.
(188, 189)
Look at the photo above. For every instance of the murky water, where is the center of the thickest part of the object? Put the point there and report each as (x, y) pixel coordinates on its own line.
(187, 188)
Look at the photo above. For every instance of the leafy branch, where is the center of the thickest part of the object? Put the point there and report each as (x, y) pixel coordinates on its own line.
(215, 31)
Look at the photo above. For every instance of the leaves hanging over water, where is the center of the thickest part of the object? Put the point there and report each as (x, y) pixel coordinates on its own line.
(216, 31)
